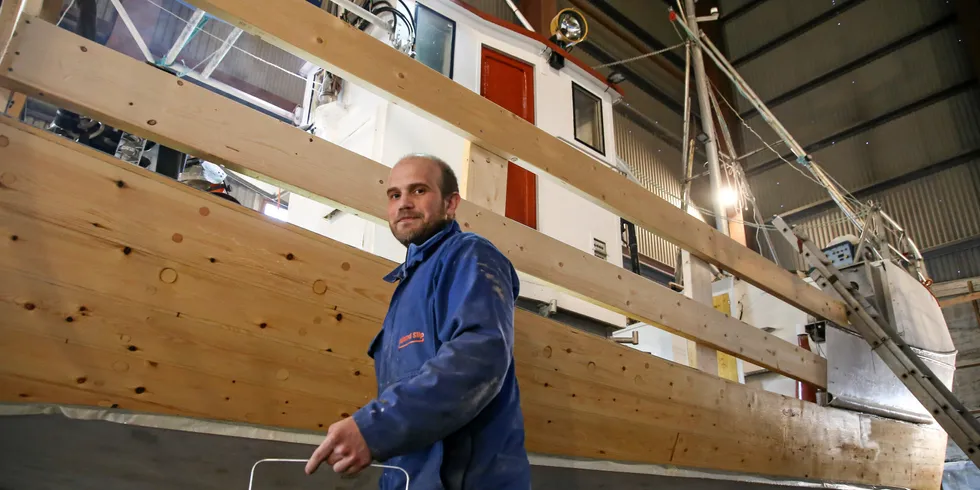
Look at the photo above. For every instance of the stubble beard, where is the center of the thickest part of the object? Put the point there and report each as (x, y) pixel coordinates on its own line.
(423, 233)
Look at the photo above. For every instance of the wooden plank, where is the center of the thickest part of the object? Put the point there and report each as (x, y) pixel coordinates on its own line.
(9, 13)
(727, 365)
(200, 352)
(148, 102)
(15, 107)
(301, 29)
(956, 300)
(484, 180)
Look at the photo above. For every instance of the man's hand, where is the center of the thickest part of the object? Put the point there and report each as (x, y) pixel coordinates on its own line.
(344, 448)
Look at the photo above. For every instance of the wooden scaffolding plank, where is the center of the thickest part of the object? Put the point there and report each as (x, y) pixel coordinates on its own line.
(86, 322)
(327, 41)
(149, 102)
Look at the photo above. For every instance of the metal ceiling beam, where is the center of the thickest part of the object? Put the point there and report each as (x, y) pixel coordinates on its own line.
(641, 83)
(222, 51)
(796, 32)
(185, 36)
(653, 43)
(854, 65)
(744, 9)
(870, 124)
(804, 212)
(131, 27)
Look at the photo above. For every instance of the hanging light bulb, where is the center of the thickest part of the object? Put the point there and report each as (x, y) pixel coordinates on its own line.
(727, 197)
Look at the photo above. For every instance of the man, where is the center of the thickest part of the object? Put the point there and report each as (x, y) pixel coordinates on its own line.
(448, 409)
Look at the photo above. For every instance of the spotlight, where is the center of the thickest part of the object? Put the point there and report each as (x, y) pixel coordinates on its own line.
(568, 28)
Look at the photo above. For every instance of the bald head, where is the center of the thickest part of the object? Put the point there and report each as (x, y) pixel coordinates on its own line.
(423, 194)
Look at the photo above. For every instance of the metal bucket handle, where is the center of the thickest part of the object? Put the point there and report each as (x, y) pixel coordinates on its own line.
(251, 476)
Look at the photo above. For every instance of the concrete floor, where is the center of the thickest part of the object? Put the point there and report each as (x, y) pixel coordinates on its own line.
(41, 452)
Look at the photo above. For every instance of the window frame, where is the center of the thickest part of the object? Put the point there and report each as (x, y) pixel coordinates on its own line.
(452, 42)
(602, 128)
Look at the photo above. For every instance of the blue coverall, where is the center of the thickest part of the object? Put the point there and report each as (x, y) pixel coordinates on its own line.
(448, 409)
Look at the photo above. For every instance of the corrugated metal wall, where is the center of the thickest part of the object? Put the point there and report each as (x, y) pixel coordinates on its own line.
(961, 263)
(915, 107)
(496, 8)
(236, 64)
(657, 166)
(937, 210)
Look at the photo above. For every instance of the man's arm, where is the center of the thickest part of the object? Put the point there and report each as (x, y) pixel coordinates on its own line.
(468, 369)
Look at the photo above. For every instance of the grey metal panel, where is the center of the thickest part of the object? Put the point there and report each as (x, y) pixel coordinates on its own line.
(959, 264)
(657, 166)
(937, 210)
(910, 74)
(727, 6)
(496, 8)
(933, 134)
(210, 37)
(861, 29)
(768, 21)
(652, 16)
(289, 86)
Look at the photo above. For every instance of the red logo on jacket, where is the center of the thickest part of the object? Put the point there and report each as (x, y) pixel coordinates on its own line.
(412, 338)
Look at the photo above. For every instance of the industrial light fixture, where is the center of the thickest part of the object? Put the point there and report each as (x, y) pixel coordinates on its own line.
(616, 77)
(727, 197)
(568, 28)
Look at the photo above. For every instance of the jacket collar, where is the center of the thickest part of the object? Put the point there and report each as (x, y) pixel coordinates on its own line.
(418, 253)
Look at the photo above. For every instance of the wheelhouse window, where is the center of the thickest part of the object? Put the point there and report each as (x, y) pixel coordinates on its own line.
(587, 115)
(434, 40)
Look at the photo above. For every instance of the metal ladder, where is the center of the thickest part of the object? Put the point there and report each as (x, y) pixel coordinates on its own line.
(948, 411)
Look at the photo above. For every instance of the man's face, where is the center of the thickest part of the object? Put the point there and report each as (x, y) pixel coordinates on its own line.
(416, 207)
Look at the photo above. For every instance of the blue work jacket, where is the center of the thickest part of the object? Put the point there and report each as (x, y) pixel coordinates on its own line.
(448, 409)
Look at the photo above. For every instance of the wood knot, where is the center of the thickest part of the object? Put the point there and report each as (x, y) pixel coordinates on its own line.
(4, 141)
(81, 380)
(120, 184)
(546, 352)
(152, 122)
(127, 250)
(29, 306)
(204, 211)
(83, 49)
(177, 237)
(319, 286)
(345, 266)
(340, 316)
(290, 256)
(140, 390)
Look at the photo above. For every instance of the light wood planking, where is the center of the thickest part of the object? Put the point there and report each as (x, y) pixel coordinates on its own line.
(955, 300)
(200, 351)
(9, 13)
(184, 116)
(484, 179)
(301, 29)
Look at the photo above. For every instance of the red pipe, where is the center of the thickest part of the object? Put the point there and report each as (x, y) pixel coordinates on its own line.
(805, 391)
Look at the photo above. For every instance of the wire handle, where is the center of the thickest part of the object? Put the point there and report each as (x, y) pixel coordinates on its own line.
(251, 476)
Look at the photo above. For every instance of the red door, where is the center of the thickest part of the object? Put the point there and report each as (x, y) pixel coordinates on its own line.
(509, 83)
